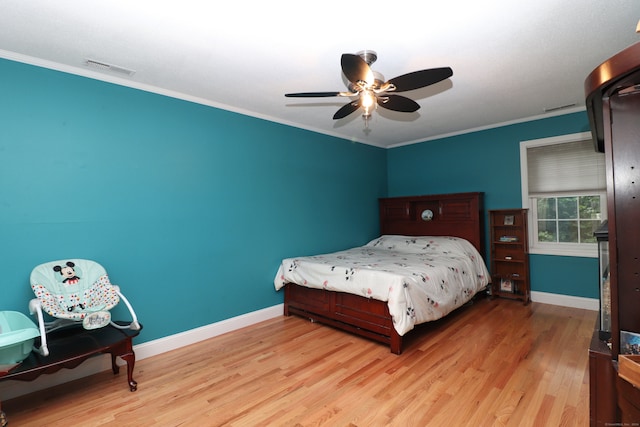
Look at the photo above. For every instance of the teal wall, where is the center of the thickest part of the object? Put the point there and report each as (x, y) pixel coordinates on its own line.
(189, 208)
(489, 161)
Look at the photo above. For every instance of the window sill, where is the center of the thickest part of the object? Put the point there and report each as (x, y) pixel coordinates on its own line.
(586, 253)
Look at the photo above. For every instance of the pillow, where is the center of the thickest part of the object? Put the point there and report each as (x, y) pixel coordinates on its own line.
(409, 244)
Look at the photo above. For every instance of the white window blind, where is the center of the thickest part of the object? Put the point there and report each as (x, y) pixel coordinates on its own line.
(566, 167)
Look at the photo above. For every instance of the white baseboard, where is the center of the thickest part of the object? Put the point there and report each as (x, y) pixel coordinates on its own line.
(565, 300)
(172, 342)
(10, 389)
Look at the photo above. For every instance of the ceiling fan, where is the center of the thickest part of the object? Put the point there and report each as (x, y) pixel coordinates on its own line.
(369, 88)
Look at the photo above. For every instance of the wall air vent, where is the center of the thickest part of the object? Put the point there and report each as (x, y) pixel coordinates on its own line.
(103, 66)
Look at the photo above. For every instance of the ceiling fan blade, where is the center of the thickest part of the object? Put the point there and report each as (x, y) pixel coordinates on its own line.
(422, 78)
(311, 94)
(346, 109)
(398, 103)
(355, 68)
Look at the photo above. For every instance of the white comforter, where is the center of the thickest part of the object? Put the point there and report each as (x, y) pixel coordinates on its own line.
(421, 278)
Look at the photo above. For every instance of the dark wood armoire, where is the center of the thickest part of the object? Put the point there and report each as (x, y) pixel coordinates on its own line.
(613, 105)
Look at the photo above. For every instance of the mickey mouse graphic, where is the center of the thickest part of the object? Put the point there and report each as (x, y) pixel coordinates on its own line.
(69, 277)
(68, 273)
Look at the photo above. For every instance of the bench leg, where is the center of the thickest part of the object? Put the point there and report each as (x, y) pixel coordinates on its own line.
(124, 350)
(130, 358)
(3, 417)
(114, 366)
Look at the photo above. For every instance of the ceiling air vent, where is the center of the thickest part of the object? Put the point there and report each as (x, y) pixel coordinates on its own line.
(103, 66)
(562, 107)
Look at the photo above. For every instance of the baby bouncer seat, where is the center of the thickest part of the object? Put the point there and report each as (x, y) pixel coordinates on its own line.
(72, 292)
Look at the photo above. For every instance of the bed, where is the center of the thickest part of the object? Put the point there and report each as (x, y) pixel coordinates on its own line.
(426, 263)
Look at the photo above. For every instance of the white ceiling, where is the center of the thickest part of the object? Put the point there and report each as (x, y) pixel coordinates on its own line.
(511, 60)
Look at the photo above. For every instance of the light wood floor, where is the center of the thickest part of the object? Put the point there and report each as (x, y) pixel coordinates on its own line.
(493, 363)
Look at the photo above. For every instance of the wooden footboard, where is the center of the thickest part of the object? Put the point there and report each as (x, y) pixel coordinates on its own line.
(365, 317)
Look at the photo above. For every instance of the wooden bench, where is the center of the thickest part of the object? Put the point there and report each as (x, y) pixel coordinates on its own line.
(70, 347)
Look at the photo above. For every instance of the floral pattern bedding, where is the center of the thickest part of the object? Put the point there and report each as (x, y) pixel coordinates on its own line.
(421, 278)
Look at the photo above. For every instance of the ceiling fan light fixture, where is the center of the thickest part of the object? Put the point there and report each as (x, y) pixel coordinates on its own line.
(368, 99)
(368, 102)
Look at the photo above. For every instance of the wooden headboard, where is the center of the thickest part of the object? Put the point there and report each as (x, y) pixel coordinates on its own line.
(459, 215)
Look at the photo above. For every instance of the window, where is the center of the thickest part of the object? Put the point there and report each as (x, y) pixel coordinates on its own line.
(564, 188)
(568, 219)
